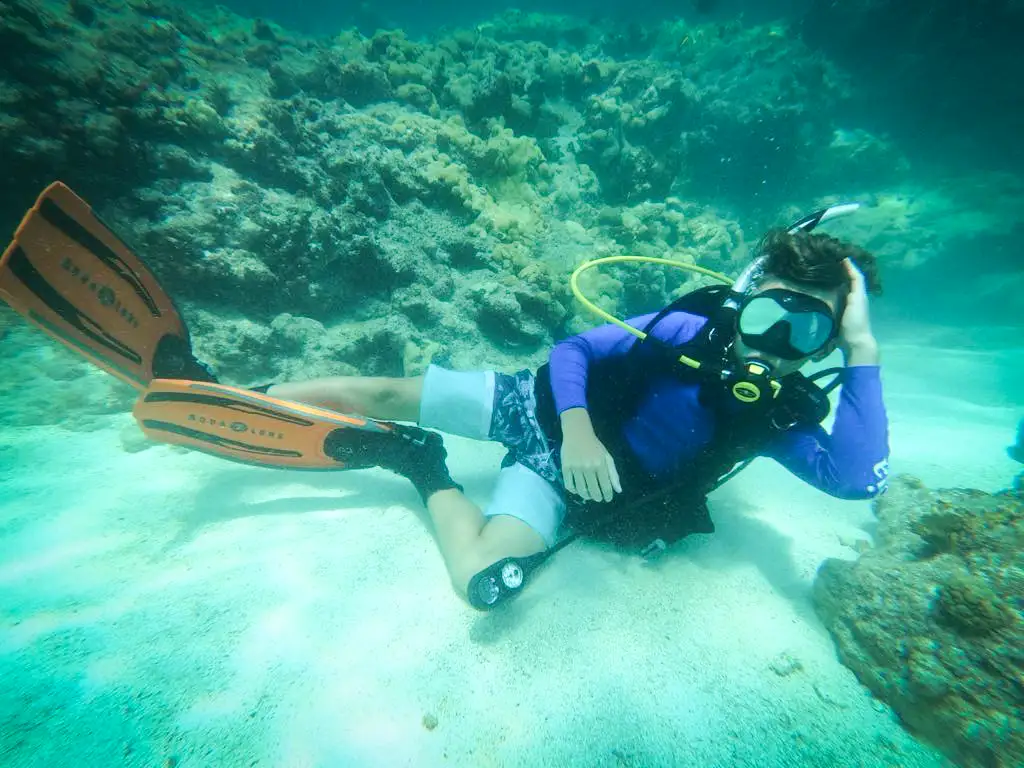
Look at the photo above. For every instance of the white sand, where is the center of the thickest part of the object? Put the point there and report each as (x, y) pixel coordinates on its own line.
(170, 605)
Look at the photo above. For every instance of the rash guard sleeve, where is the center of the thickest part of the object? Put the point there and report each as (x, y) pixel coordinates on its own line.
(852, 461)
(570, 360)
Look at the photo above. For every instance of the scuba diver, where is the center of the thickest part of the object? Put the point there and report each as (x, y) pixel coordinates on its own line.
(621, 435)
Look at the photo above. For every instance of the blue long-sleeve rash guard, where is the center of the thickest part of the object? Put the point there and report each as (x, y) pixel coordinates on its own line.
(671, 426)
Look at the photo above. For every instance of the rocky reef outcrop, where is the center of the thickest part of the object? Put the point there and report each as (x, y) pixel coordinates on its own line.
(930, 618)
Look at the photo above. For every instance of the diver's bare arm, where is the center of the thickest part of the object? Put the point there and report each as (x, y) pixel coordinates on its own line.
(855, 336)
(863, 351)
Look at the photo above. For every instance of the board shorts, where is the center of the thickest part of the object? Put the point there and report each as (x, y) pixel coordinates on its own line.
(501, 407)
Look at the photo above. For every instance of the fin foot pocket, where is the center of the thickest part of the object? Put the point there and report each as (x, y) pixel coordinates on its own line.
(173, 359)
(414, 453)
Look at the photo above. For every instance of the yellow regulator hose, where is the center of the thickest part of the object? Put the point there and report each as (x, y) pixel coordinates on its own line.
(574, 284)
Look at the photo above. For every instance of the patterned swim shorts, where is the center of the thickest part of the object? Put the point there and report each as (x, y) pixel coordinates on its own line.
(514, 424)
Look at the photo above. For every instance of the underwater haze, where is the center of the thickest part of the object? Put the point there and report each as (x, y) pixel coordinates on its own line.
(267, 202)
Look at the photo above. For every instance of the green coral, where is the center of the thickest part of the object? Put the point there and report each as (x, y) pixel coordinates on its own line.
(959, 524)
(971, 607)
(941, 532)
(195, 116)
(420, 97)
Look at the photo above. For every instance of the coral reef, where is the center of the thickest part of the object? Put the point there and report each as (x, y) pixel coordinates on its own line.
(436, 189)
(930, 618)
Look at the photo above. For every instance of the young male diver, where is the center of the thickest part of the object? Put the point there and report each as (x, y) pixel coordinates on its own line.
(621, 434)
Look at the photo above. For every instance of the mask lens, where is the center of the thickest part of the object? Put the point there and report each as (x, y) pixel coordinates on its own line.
(809, 331)
(785, 323)
(760, 314)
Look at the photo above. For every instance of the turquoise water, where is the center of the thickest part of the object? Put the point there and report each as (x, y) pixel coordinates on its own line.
(340, 190)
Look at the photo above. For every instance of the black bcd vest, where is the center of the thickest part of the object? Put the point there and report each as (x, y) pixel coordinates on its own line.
(670, 508)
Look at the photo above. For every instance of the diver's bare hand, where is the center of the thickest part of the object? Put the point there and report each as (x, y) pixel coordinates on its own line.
(588, 470)
(855, 337)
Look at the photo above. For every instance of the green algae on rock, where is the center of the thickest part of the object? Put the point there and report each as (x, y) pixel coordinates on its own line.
(930, 617)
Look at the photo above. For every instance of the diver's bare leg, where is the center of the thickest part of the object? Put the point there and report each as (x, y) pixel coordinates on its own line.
(378, 397)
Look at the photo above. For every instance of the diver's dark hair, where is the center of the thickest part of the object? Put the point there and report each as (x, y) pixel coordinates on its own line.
(816, 260)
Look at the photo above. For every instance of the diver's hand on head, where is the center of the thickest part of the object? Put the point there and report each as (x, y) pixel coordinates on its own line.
(855, 337)
(588, 470)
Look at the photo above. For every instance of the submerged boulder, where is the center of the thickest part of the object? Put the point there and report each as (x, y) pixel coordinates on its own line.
(930, 619)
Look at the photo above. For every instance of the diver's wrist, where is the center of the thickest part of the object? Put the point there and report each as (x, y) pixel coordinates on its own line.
(863, 351)
(576, 421)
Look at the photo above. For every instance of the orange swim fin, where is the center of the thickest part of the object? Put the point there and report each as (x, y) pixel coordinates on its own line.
(69, 274)
(254, 428)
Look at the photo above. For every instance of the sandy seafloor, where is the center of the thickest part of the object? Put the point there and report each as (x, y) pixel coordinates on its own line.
(167, 608)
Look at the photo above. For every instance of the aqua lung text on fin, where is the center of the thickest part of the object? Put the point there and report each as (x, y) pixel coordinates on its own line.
(235, 426)
(104, 293)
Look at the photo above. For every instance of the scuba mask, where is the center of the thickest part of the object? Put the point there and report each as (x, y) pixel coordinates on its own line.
(786, 323)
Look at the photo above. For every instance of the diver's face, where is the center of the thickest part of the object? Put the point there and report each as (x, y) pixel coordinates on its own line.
(779, 365)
